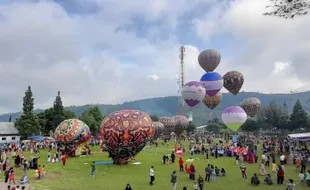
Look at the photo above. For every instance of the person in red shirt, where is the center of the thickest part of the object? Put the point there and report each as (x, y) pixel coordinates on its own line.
(280, 175)
(64, 159)
(181, 164)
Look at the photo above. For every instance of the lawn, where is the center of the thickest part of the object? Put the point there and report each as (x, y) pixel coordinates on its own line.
(76, 174)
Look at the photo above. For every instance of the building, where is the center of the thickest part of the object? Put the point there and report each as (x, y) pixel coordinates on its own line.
(8, 133)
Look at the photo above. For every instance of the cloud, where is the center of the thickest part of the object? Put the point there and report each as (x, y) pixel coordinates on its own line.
(103, 51)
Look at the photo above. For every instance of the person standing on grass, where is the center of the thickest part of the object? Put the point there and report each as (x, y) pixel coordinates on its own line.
(208, 172)
(181, 165)
(64, 159)
(174, 180)
(152, 175)
(280, 176)
(243, 172)
(200, 182)
(93, 170)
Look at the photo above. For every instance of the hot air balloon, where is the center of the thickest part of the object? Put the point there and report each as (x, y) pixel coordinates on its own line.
(169, 124)
(234, 117)
(212, 101)
(209, 60)
(193, 92)
(212, 82)
(251, 106)
(233, 81)
(159, 127)
(72, 135)
(125, 133)
(181, 120)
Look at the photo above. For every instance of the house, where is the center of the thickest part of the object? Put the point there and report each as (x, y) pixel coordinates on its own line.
(8, 133)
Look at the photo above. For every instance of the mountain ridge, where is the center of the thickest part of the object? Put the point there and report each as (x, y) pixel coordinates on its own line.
(168, 106)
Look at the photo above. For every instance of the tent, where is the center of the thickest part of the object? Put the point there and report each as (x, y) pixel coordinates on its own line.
(36, 138)
(300, 136)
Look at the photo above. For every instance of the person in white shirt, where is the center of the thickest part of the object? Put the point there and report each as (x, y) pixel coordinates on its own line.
(302, 179)
(152, 175)
(195, 186)
(282, 158)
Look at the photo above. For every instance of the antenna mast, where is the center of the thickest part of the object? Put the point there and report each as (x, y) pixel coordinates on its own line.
(181, 79)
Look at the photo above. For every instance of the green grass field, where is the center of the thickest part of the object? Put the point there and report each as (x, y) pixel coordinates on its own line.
(76, 174)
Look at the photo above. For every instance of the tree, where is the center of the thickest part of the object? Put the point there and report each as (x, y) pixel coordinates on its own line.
(288, 8)
(46, 119)
(10, 118)
(154, 117)
(250, 125)
(191, 127)
(93, 118)
(213, 127)
(28, 123)
(299, 117)
(272, 114)
(58, 110)
(284, 117)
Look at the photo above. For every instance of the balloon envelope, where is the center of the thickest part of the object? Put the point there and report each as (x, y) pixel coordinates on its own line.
(167, 121)
(233, 81)
(159, 127)
(209, 60)
(125, 133)
(193, 92)
(234, 117)
(212, 82)
(251, 106)
(181, 120)
(212, 101)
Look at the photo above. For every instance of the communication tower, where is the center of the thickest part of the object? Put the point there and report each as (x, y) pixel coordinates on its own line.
(181, 79)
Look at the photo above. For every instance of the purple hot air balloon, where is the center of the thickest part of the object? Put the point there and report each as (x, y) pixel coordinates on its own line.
(193, 92)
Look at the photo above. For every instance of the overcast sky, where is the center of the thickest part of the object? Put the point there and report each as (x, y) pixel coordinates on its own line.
(109, 51)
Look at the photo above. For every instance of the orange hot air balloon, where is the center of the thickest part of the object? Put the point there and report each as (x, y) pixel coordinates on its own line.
(212, 101)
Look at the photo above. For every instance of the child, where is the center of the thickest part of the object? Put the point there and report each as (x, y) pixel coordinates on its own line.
(243, 172)
(195, 186)
(302, 178)
(93, 170)
(23, 180)
(298, 164)
(17, 187)
(43, 172)
(39, 172)
(64, 160)
(274, 167)
(54, 159)
(12, 177)
(36, 174)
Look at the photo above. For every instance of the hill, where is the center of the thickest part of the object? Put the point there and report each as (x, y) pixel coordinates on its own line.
(168, 106)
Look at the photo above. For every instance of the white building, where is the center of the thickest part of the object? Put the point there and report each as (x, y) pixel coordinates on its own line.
(8, 133)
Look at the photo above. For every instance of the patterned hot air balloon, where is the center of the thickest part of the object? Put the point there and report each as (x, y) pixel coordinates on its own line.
(251, 106)
(212, 101)
(233, 81)
(212, 82)
(169, 124)
(125, 133)
(193, 92)
(234, 117)
(209, 60)
(73, 135)
(159, 127)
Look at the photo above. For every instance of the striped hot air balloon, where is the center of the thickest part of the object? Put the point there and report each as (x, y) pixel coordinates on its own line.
(212, 82)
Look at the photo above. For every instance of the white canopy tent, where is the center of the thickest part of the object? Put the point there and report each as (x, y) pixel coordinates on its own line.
(300, 136)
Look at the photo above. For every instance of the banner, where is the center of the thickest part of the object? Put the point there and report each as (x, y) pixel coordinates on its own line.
(235, 138)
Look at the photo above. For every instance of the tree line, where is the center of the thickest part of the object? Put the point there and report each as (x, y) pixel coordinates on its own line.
(270, 117)
(45, 123)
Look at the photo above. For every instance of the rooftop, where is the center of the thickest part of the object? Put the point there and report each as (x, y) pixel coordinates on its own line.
(7, 128)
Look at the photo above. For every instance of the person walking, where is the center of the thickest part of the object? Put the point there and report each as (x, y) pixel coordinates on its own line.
(93, 170)
(152, 175)
(181, 164)
(174, 180)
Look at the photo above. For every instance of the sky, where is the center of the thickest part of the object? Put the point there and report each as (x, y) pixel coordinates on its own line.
(109, 51)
